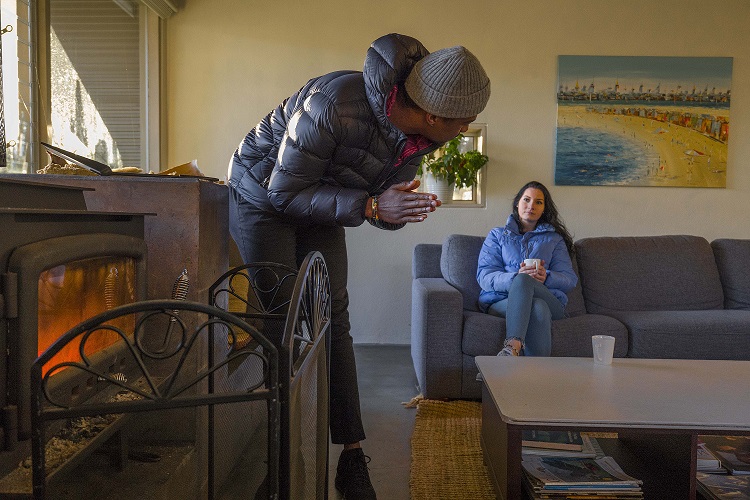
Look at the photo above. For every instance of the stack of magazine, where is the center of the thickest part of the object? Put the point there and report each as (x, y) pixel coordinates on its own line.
(724, 467)
(579, 478)
(567, 464)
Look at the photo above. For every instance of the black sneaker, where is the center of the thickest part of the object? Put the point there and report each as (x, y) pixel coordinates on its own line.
(352, 478)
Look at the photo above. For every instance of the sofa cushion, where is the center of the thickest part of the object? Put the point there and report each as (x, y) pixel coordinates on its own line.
(648, 273)
(483, 334)
(572, 336)
(425, 261)
(722, 334)
(733, 261)
(458, 264)
(576, 305)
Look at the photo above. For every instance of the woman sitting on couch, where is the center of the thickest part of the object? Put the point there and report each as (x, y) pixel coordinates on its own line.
(525, 271)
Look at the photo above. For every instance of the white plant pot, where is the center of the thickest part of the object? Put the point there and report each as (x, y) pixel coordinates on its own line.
(440, 187)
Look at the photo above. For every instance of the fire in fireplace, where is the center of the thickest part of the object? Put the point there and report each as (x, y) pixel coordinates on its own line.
(69, 293)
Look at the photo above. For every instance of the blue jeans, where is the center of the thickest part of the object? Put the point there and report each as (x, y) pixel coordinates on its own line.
(267, 237)
(528, 312)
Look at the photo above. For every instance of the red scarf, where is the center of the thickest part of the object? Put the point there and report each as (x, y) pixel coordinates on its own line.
(414, 142)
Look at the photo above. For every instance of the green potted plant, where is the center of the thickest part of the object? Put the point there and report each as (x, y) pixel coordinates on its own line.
(453, 167)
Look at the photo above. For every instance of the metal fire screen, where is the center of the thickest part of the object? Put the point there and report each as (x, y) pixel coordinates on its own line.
(293, 309)
(166, 336)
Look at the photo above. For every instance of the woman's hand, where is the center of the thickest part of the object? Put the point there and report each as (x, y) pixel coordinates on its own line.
(400, 203)
(538, 274)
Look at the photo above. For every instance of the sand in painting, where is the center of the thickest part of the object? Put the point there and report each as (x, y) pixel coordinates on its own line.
(686, 157)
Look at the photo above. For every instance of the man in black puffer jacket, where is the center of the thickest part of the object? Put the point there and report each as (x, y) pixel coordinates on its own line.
(344, 149)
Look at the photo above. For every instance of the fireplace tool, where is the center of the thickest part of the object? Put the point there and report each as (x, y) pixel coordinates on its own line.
(179, 292)
(3, 157)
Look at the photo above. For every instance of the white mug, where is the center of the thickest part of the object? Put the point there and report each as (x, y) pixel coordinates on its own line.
(533, 262)
(604, 349)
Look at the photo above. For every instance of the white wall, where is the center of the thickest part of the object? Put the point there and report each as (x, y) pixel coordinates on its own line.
(231, 61)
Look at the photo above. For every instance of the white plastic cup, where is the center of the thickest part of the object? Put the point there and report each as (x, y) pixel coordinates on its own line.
(604, 349)
(533, 262)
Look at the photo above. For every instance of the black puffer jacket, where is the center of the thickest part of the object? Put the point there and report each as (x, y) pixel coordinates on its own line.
(325, 150)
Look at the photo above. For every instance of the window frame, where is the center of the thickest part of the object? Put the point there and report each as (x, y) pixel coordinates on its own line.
(479, 132)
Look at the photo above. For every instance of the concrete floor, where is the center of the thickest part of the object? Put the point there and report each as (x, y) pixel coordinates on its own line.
(386, 379)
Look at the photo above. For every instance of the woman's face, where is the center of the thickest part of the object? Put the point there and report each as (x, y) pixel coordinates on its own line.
(530, 207)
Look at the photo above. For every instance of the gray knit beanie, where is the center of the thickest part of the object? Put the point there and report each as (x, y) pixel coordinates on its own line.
(449, 83)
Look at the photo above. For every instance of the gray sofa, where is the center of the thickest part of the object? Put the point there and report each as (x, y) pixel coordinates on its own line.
(659, 296)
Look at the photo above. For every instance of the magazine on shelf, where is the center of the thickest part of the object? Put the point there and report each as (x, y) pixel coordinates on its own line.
(536, 494)
(723, 486)
(590, 448)
(733, 451)
(707, 461)
(556, 440)
(568, 473)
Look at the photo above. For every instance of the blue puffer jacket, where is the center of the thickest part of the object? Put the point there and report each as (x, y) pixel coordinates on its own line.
(325, 150)
(505, 249)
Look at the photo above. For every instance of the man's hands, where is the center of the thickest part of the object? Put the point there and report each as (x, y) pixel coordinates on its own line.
(400, 203)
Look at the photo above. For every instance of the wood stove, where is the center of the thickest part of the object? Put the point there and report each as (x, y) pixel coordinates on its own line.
(61, 264)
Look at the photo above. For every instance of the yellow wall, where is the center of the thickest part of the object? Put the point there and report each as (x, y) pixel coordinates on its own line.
(231, 61)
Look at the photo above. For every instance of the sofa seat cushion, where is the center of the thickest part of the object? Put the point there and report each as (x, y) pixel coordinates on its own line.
(483, 334)
(572, 336)
(648, 273)
(711, 334)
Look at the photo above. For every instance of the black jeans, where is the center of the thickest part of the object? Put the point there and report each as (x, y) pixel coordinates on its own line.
(265, 237)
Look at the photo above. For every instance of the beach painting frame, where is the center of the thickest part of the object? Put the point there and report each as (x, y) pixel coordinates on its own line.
(643, 121)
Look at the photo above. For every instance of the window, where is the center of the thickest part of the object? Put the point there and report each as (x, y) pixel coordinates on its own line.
(18, 98)
(474, 139)
(95, 80)
(87, 74)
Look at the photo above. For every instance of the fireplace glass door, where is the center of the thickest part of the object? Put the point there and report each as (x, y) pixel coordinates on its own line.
(78, 290)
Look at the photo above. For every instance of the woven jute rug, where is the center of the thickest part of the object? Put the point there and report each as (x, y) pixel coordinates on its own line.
(446, 456)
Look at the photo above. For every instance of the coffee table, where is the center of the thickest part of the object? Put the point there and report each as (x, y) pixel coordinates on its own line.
(656, 407)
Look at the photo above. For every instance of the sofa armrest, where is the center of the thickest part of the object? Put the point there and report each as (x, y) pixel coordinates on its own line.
(436, 333)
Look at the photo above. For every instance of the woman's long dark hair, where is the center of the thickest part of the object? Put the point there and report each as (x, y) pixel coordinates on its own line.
(550, 214)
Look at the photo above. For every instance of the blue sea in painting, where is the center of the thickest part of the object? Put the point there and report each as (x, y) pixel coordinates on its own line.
(587, 157)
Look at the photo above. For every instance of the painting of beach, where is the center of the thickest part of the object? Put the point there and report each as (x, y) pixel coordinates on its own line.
(643, 121)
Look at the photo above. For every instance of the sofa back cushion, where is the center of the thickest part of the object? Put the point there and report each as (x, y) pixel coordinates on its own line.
(426, 261)
(458, 264)
(576, 305)
(733, 261)
(648, 273)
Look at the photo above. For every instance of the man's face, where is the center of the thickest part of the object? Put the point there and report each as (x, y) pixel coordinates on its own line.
(442, 130)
